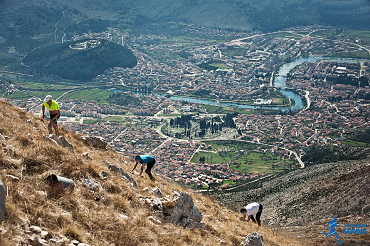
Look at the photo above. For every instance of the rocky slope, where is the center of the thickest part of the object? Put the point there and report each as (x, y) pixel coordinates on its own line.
(309, 198)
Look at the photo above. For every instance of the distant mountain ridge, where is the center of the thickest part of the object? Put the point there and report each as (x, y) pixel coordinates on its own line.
(30, 24)
(236, 14)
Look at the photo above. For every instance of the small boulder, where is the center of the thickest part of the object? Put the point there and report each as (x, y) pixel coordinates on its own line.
(65, 143)
(181, 210)
(104, 175)
(91, 184)
(86, 156)
(154, 220)
(95, 141)
(157, 192)
(35, 229)
(253, 239)
(51, 140)
(119, 170)
(54, 137)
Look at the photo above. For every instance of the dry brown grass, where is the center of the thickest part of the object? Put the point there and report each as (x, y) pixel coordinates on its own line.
(114, 215)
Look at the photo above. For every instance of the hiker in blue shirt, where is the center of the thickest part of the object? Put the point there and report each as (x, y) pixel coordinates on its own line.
(145, 159)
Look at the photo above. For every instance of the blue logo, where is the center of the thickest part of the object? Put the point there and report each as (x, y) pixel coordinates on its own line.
(331, 226)
(355, 228)
(347, 229)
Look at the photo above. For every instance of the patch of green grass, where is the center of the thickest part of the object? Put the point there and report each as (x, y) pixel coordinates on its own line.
(303, 32)
(219, 66)
(181, 40)
(42, 94)
(235, 52)
(231, 183)
(322, 33)
(354, 54)
(354, 143)
(283, 35)
(43, 86)
(243, 158)
(223, 110)
(109, 118)
(260, 163)
(169, 115)
(209, 158)
(17, 95)
(89, 94)
(280, 101)
(358, 34)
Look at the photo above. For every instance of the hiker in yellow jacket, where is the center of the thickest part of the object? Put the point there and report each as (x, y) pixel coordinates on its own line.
(53, 108)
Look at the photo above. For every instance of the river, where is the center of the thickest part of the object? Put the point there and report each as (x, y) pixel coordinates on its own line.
(279, 82)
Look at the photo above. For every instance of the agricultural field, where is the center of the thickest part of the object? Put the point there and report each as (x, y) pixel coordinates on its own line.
(363, 35)
(322, 33)
(105, 119)
(88, 94)
(283, 35)
(244, 157)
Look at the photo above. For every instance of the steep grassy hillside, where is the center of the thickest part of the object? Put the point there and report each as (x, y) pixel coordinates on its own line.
(103, 208)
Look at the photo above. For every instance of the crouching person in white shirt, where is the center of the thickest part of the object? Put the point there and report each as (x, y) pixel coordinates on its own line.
(252, 209)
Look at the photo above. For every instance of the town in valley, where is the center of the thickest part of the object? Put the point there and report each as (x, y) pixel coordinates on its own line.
(215, 106)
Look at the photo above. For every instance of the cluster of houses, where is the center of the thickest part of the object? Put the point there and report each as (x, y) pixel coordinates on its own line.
(336, 110)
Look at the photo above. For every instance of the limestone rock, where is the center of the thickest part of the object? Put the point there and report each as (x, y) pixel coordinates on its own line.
(154, 220)
(157, 192)
(65, 143)
(119, 170)
(146, 189)
(10, 151)
(75, 242)
(179, 210)
(104, 175)
(95, 141)
(86, 156)
(91, 184)
(55, 138)
(35, 229)
(51, 140)
(253, 239)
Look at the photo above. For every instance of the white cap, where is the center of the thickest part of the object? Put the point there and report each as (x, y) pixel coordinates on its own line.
(48, 98)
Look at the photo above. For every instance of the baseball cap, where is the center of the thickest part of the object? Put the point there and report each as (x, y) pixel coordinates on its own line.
(48, 98)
